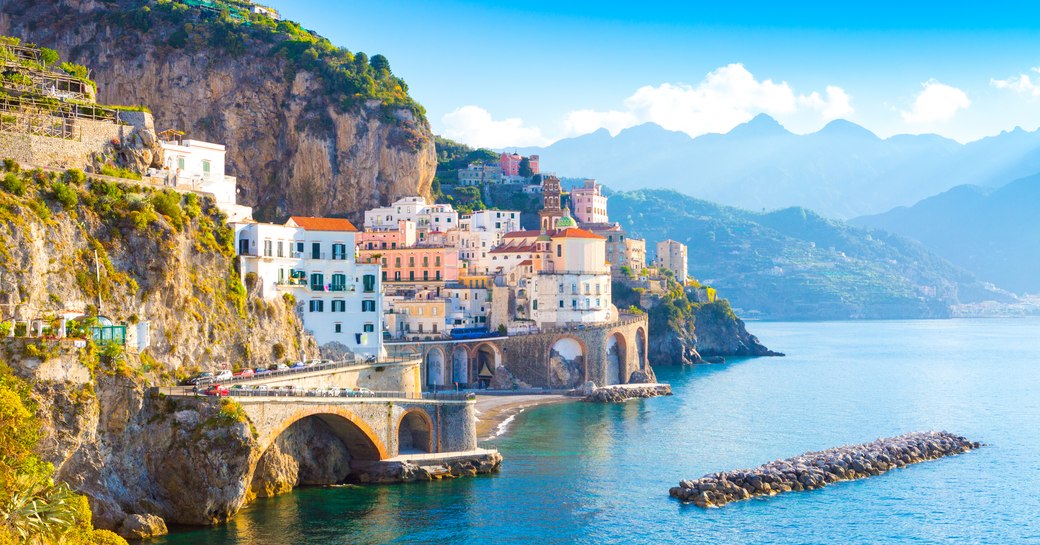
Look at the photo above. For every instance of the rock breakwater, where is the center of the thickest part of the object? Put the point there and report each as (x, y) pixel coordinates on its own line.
(624, 392)
(814, 470)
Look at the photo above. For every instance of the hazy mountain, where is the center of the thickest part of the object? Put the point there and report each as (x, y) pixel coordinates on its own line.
(993, 233)
(795, 264)
(841, 171)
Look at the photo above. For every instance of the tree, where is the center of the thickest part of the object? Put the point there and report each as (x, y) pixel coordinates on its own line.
(380, 64)
(525, 168)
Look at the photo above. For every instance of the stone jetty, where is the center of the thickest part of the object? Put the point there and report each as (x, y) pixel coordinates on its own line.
(624, 392)
(814, 470)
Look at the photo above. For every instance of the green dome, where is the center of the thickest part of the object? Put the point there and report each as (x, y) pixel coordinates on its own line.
(566, 222)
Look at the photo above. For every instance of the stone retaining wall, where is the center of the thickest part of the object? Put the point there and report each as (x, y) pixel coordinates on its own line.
(814, 470)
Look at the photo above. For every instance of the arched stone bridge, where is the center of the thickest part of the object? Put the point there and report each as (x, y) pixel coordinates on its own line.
(370, 428)
(561, 358)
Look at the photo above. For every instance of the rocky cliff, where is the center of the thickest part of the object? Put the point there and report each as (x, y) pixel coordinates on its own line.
(310, 129)
(162, 259)
(685, 331)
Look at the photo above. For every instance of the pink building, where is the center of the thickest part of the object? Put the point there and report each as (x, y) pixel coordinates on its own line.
(415, 264)
(402, 237)
(535, 168)
(510, 163)
(590, 206)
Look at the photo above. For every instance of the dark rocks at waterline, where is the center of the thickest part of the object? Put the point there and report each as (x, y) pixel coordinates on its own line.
(624, 392)
(814, 470)
(406, 471)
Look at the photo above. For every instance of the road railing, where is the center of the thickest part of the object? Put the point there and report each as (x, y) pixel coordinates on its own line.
(307, 368)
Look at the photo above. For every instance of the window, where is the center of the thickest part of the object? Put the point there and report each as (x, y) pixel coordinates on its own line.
(411, 275)
(205, 168)
(559, 250)
(299, 248)
(384, 276)
(561, 288)
(561, 303)
(368, 306)
(315, 250)
(434, 327)
(339, 282)
(437, 261)
(534, 304)
(317, 305)
(369, 328)
(434, 311)
(426, 275)
(370, 282)
(411, 261)
(339, 251)
(281, 249)
(438, 275)
(338, 327)
(426, 261)
(180, 163)
(267, 247)
(339, 305)
(574, 303)
(397, 276)
(397, 261)
(318, 282)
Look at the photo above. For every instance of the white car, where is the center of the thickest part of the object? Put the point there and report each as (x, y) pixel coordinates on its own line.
(223, 375)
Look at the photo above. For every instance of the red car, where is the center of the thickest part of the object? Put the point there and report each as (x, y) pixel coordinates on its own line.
(217, 390)
(246, 373)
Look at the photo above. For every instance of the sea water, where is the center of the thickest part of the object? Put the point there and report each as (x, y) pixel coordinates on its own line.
(599, 474)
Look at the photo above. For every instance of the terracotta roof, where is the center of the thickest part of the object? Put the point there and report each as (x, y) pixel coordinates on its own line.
(323, 224)
(576, 233)
(521, 234)
(512, 249)
(525, 262)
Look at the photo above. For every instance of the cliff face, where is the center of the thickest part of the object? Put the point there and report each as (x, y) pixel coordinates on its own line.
(293, 146)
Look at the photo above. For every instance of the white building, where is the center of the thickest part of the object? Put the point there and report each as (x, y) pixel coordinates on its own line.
(313, 259)
(499, 221)
(200, 166)
(427, 217)
(671, 255)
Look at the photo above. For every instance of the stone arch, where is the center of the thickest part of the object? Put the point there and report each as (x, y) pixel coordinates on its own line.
(414, 432)
(357, 436)
(567, 362)
(435, 367)
(484, 363)
(460, 365)
(616, 358)
(641, 347)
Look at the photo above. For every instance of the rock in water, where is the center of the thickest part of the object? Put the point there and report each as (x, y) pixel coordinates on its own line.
(624, 392)
(818, 469)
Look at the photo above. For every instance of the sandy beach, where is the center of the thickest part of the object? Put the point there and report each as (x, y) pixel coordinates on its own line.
(494, 412)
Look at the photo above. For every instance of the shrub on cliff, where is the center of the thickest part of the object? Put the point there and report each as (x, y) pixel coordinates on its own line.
(34, 508)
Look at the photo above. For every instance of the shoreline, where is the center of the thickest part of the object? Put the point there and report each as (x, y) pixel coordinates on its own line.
(495, 413)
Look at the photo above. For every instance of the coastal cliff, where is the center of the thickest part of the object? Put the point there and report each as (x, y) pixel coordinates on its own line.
(310, 128)
(685, 330)
(164, 262)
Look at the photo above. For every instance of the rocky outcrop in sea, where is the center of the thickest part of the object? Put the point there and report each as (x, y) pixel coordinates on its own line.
(624, 392)
(814, 470)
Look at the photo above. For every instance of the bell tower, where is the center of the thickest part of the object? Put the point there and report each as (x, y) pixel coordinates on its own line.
(551, 205)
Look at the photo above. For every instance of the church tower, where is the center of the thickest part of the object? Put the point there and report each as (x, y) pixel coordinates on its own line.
(551, 205)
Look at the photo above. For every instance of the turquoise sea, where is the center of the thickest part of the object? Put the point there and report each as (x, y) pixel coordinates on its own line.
(599, 474)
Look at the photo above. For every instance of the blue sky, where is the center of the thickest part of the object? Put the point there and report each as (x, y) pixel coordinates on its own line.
(530, 72)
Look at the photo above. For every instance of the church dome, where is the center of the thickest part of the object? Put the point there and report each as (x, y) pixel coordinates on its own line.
(566, 222)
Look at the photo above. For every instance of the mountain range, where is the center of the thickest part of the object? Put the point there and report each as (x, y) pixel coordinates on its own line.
(994, 233)
(841, 171)
(795, 264)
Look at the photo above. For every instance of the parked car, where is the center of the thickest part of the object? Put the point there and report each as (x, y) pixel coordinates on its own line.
(245, 373)
(299, 365)
(282, 367)
(261, 370)
(217, 390)
(199, 378)
(363, 392)
(262, 390)
(223, 375)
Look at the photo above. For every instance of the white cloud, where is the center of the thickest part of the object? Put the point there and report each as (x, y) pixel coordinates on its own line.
(937, 102)
(474, 126)
(837, 104)
(726, 97)
(1021, 83)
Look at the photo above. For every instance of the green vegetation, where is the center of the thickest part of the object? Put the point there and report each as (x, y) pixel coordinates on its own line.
(119, 172)
(352, 77)
(33, 508)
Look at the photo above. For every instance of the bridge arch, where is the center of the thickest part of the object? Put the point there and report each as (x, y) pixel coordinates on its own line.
(360, 440)
(567, 357)
(414, 432)
(484, 363)
(641, 347)
(460, 365)
(617, 359)
(435, 367)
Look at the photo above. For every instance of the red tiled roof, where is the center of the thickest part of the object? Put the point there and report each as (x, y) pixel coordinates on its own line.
(576, 233)
(323, 224)
(522, 234)
(512, 249)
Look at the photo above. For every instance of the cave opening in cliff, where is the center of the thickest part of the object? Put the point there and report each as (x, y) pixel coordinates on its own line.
(319, 449)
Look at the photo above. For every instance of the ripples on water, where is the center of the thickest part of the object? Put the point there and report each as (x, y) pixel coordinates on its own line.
(599, 474)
